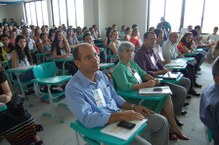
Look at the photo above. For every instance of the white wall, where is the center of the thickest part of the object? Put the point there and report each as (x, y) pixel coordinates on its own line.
(3, 13)
(90, 12)
(16, 12)
(12, 11)
(134, 12)
(103, 16)
(117, 12)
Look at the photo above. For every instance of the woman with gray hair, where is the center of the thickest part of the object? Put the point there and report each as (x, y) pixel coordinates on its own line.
(129, 76)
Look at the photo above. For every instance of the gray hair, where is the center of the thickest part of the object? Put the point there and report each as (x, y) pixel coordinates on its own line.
(215, 67)
(125, 45)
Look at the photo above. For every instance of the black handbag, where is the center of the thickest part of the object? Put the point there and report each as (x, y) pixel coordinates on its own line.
(15, 108)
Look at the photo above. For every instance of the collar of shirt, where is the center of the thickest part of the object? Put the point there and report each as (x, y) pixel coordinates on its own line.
(85, 81)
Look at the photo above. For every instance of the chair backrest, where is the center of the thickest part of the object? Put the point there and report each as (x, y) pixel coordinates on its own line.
(45, 70)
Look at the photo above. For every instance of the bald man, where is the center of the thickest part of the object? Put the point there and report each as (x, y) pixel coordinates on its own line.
(88, 83)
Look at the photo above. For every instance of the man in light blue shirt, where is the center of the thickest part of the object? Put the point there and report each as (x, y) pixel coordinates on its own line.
(93, 101)
(209, 104)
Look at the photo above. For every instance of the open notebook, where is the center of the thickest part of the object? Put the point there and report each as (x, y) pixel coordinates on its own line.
(155, 90)
(172, 75)
(120, 132)
(176, 63)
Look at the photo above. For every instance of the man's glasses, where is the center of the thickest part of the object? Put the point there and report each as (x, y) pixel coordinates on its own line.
(151, 39)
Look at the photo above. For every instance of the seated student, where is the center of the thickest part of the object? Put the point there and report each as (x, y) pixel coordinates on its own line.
(79, 32)
(213, 37)
(170, 51)
(72, 39)
(31, 44)
(148, 61)
(197, 41)
(6, 49)
(114, 42)
(151, 29)
(135, 37)
(13, 35)
(129, 76)
(92, 32)
(206, 48)
(122, 31)
(61, 49)
(209, 104)
(189, 28)
(186, 46)
(113, 46)
(19, 130)
(106, 39)
(45, 46)
(157, 48)
(51, 36)
(216, 50)
(114, 27)
(96, 31)
(36, 36)
(127, 34)
(80, 96)
(20, 57)
(88, 39)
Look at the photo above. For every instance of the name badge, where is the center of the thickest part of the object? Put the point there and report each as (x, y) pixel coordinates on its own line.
(99, 99)
(137, 76)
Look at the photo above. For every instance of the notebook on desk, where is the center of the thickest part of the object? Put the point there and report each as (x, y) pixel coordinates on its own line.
(172, 75)
(114, 130)
(155, 90)
(176, 63)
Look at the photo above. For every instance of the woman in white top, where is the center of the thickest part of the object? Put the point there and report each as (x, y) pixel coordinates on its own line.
(22, 58)
(114, 43)
(61, 49)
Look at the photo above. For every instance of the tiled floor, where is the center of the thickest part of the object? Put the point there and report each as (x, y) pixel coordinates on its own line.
(61, 134)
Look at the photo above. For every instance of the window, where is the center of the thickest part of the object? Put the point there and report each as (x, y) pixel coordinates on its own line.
(33, 14)
(196, 12)
(68, 12)
(45, 13)
(55, 6)
(39, 15)
(71, 13)
(156, 12)
(211, 8)
(36, 13)
(173, 13)
(193, 13)
(80, 13)
(62, 9)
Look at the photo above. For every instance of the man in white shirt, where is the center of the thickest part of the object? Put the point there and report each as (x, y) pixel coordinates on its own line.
(214, 37)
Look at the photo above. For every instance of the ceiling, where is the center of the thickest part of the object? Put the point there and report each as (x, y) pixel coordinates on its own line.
(13, 1)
